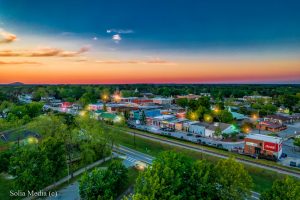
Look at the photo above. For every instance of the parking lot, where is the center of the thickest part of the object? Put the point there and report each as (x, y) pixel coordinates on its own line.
(193, 137)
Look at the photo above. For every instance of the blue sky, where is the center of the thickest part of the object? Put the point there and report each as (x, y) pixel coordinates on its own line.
(173, 29)
(169, 23)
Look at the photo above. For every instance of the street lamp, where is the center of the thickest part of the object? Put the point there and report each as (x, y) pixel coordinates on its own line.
(256, 118)
(104, 97)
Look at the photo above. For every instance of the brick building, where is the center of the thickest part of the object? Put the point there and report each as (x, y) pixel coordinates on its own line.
(263, 145)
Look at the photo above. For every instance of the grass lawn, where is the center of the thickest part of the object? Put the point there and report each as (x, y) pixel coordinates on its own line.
(262, 178)
(5, 187)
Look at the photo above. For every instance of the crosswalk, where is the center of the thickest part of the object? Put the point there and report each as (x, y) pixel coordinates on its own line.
(130, 159)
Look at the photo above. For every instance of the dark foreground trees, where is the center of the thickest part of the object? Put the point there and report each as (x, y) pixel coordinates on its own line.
(37, 163)
(287, 189)
(173, 176)
(103, 183)
(36, 166)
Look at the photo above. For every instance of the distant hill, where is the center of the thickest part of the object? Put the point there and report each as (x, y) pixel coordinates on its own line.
(16, 83)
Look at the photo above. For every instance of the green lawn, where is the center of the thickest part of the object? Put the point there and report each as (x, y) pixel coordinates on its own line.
(262, 178)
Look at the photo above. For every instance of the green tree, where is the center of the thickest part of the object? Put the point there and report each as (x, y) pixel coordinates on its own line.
(202, 183)
(119, 173)
(87, 98)
(297, 142)
(39, 93)
(103, 183)
(288, 100)
(218, 132)
(96, 185)
(224, 116)
(89, 133)
(87, 154)
(30, 168)
(268, 109)
(34, 109)
(233, 181)
(5, 107)
(4, 160)
(126, 114)
(54, 150)
(48, 125)
(168, 178)
(143, 118)
(205, 102)
(183, 102)
(287, 189)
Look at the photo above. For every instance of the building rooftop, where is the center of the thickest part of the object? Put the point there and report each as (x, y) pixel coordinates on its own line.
(179, 120)
(279, 117)
(162, 98)
(108, 115)
(270, 124)
(215, 125)
(266, 138)
(164, 117)
(148, 107)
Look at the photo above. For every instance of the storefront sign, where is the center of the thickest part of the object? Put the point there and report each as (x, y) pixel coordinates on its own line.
(270, 146)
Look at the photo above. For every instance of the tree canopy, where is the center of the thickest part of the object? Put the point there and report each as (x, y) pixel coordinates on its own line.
(103, 183)
(287, 189)
(174, 176)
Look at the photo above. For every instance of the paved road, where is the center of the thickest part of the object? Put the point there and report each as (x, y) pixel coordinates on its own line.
(134, 156)
(212, 153)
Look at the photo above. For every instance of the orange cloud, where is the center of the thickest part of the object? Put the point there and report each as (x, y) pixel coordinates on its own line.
(6, 37)
(154, 61)
(48, 52)
(17, 62)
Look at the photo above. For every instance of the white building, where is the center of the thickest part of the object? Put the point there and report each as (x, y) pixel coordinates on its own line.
(224, 128)
(159, 100)
(197, 128)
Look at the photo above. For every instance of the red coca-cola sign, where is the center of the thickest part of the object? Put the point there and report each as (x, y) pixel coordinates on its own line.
(270, 146)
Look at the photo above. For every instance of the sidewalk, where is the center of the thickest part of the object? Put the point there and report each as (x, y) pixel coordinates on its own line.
(76, 173)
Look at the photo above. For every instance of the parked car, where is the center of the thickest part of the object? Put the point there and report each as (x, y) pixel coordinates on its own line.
(283, 155)
(189, 134)
(293, 164)
(197, 136)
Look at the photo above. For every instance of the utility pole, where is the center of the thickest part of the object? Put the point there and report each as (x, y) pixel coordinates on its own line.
(259, 123)
(134, 140)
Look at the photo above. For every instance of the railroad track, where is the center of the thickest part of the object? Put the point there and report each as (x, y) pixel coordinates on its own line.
(212, 153)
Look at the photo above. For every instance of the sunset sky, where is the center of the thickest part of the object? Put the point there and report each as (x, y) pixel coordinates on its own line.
(149, 41)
